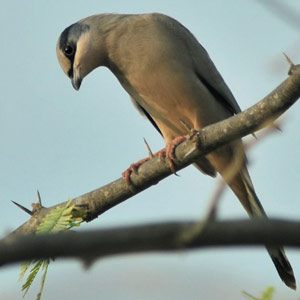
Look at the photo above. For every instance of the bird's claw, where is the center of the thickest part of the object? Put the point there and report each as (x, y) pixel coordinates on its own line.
(133, 168)
(169, 151)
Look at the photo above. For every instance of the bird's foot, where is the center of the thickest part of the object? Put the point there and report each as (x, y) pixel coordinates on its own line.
(169, 151)
(133, 168)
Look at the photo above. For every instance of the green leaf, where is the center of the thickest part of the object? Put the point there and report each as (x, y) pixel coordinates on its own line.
(267, 294)
(58, 219)
(45, 269)
(24, 267)
(32, 275)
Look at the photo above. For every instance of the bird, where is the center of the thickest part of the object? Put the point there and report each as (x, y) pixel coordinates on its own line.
(172, 81)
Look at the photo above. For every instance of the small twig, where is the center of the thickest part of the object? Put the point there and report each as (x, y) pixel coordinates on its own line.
(215, 200)
(230, 173)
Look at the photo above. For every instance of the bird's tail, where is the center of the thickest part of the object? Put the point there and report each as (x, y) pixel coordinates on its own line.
(243, 188)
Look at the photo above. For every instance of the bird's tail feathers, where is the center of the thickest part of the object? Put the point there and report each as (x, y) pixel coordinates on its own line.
(276, 253)
(282, 266)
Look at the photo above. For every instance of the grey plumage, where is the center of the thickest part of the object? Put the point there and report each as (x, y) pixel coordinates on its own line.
(170, 77)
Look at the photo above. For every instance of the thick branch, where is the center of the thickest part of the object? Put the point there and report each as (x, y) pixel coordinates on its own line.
(100, 200)
(90, 245)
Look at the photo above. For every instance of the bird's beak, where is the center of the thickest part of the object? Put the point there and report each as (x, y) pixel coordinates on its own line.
(76, 80)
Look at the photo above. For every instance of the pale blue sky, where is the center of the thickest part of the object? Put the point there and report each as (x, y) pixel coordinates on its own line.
(66, 143)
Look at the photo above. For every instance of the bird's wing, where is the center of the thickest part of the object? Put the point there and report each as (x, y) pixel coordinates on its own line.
(211, 78)
(203, 65)
(144, 113)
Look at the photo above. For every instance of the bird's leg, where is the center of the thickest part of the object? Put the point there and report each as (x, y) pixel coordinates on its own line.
(134, 167)
(168, 152)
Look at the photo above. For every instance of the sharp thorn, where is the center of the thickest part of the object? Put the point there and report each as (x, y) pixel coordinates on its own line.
(150, 154)
(39, 200)
(288, 60)
(292, 66)
(23, 208)
(276, 126)
(186, 125)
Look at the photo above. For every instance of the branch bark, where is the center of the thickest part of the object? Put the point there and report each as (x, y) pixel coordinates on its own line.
(96, 202)
(91, 245)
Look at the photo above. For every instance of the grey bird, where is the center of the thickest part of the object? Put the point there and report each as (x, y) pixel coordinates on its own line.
(172, 81)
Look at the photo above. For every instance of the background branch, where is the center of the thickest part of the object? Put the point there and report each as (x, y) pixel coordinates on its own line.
(90, 245)
(96, 202)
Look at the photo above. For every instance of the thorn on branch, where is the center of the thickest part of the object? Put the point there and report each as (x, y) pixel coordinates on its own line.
(188, 127)
(191, 130)
(39, 200)
(37, 206)
(23, 208)
(291, 64)
(150, 153)
(268, 129)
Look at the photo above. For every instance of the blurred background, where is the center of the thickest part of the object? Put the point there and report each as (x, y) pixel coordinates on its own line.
(66, 143)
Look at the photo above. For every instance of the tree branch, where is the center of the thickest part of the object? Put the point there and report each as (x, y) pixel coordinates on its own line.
(90, 245)
(96, 202)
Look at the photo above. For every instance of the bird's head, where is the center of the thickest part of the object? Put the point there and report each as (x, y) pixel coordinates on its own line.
(78, 51)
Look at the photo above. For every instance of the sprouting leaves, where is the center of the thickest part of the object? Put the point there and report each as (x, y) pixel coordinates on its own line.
(45, 269)
(59, 219)
(24, 267)
(32, 274)
(267, 294)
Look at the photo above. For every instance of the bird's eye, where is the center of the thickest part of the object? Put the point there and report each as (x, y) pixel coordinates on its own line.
(68, 50)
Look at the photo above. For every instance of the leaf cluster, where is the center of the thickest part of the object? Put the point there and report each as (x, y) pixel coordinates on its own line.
(59, 219)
